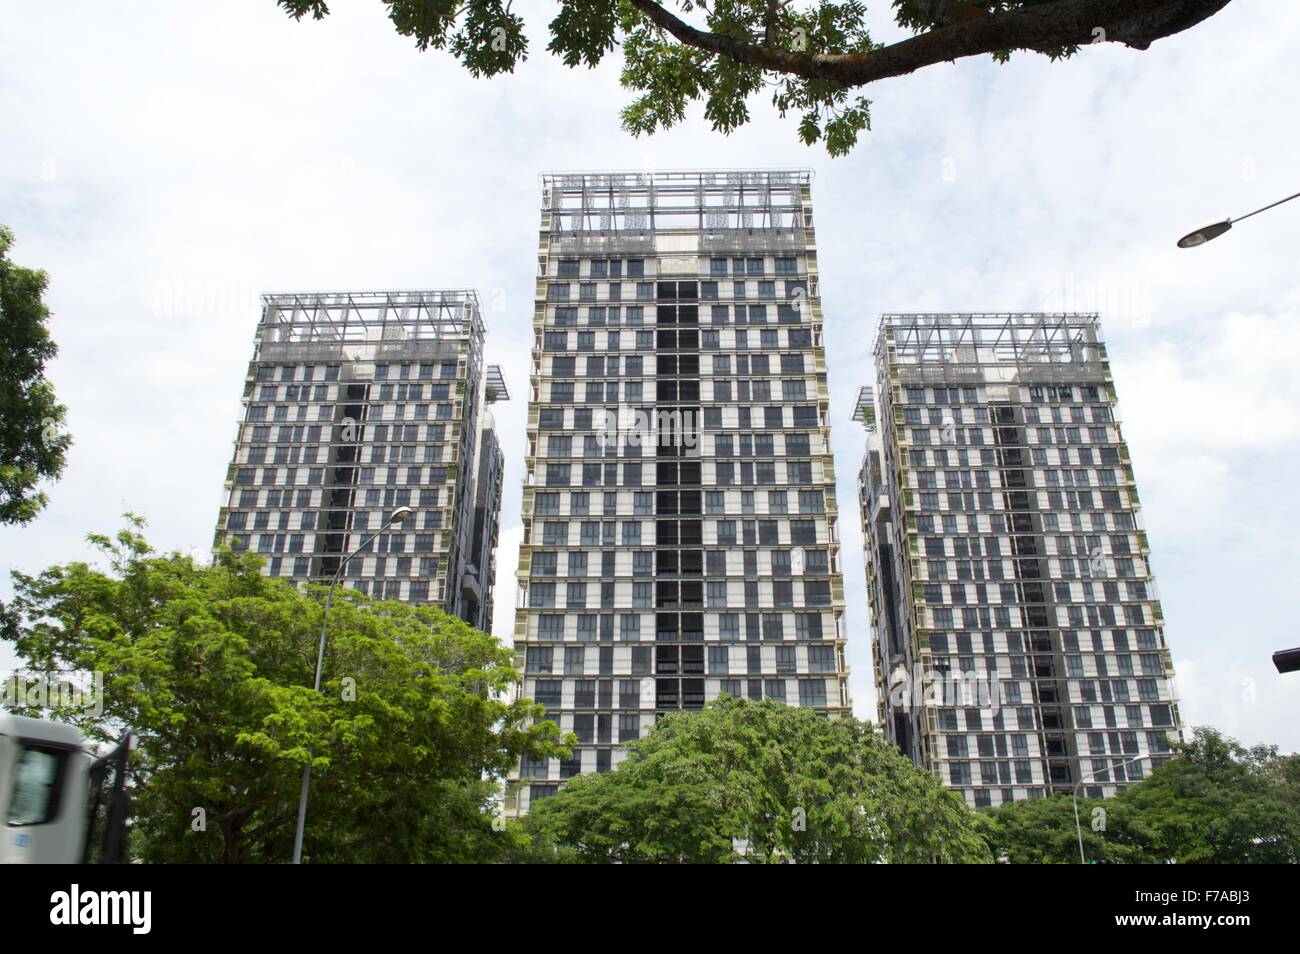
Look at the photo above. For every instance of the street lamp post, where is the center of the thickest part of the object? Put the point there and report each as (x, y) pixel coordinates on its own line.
(1078, 827)
(400, 514)
(1208, 232)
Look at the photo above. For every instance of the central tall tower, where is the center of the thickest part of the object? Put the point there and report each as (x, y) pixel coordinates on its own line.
(681, 530)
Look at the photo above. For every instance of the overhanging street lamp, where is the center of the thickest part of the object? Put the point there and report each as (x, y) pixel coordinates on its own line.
(400, 514)
(1079, 828)
(1209, 232)
(1287, 660)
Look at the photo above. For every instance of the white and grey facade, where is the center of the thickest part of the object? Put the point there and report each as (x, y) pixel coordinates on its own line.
(1018, 638)
(681, 529)
(355, 404)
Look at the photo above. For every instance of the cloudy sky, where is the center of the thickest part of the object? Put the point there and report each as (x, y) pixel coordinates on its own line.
(168, 162)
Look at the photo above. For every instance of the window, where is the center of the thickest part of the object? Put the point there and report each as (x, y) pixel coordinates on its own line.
(817, 592)
(808, 625)
(37, 786)
(642, 595)
(540, 659)
(803, 532)
(543, 563)
(811, 501)
(812, 693)
(629, 725)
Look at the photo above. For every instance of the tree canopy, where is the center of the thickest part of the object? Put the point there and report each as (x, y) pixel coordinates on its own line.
(32, 445)
(809, 56)
(416, 727)
(762, 781)
(211, 667)
(1218, 802)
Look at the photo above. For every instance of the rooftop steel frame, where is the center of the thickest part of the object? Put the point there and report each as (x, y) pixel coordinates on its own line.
(370, 326)
(678, 178)
(645, 202)
(1019, 338)
(733, 210)
(371, 317)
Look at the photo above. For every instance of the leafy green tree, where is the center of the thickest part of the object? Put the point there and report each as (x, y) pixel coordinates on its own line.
(1222, 803)
(1040, 831)
(779, 781)
(808, 57)
(211, 667)
(1217, 802)
(32, 447)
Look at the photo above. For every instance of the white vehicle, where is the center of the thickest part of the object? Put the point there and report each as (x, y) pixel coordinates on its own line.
(59, 802)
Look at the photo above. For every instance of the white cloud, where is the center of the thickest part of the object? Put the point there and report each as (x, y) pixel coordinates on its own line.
(1238, 698)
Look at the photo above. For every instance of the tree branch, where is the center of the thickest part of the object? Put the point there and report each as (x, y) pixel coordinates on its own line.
(1044, 28)
(769, 23)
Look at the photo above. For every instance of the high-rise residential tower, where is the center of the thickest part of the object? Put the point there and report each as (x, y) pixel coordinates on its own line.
(1018, 638)
(355, 404)
(681, 531)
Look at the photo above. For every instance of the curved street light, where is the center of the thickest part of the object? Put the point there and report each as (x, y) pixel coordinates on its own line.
(399, 515)
(1209, 232)
(1287, 660)
(1079, 828)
